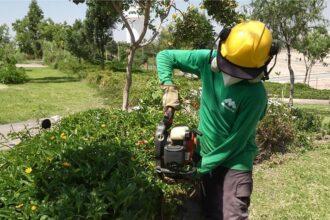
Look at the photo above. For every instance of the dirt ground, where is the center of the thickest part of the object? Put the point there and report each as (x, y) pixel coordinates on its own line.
(320, 77)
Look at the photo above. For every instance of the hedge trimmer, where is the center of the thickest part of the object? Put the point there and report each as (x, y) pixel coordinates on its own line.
(175, 149)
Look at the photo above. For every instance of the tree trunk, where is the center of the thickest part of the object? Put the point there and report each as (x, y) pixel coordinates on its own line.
(305, 78)
(291, 76)
(307, 70)
(309, 75)
(128, 78)
(103, 59)
(118, 52)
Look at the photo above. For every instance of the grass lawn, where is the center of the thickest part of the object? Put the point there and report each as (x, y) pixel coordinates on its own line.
(323, 110)
(296, 189)
(49, 92)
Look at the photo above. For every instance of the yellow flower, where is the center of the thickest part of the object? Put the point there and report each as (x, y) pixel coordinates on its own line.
(33, 207)
(19, 206)
(174, 16)
(52, 137)
(28, 170)
(63, 136)
(103, 126)
(66, 164)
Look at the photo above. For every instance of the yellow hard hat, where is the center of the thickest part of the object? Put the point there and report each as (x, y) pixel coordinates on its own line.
(248, 44)
(245, 50)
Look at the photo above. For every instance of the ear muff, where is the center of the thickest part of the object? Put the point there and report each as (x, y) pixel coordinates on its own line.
(224, 33)
(274, 49)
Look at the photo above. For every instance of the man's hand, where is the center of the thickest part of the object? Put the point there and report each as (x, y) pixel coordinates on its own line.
(171, 96)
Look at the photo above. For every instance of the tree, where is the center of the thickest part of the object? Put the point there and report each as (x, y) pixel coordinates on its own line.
(4, 34)
(75, 35)
(223, 11)
(27, 30)
(154, 13)
(192, 30)
(112, 48)
(54, 32)
(165, 40)
(314, 46)
(100, 20)
(289, 20)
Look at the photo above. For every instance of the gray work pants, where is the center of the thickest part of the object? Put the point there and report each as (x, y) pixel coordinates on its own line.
(226, 194)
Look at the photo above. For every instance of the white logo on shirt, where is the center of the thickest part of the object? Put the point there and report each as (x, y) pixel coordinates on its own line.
(229, 104)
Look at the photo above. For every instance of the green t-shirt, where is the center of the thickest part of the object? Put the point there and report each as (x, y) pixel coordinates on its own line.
(228, 114)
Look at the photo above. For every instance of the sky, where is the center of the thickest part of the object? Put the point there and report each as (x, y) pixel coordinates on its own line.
(65, 10)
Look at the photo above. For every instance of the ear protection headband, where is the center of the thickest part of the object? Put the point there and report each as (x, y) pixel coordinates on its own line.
(274, 49)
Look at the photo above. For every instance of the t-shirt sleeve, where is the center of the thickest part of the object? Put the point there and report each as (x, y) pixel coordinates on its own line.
(191, 61)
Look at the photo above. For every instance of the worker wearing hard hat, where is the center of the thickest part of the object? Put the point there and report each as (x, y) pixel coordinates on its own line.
(232, 103)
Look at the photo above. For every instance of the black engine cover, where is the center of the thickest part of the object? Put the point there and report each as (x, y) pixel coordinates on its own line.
(174, 156)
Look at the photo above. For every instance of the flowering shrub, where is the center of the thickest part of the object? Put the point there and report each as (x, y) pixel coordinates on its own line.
(96, 164)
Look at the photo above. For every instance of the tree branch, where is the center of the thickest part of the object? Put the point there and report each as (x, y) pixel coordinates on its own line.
(145, 22)
(160, 24)
(126, 23)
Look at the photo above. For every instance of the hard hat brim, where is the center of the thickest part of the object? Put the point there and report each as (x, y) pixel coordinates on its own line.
(237, 71)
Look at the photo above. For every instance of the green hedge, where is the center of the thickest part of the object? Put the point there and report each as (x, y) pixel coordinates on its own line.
(302, 91)
(96, 164)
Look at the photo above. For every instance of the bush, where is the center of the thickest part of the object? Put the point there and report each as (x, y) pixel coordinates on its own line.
(20, 57)
(306, 121)
(275, 132)
(286, 129)
(96, 164)
(120, 66)
(9, 74)
(63, 60)
(103, 79)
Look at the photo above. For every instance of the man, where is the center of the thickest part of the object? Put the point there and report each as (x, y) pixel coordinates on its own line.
(232, 103)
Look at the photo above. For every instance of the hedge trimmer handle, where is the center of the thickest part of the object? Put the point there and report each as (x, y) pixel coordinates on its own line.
(168, 117)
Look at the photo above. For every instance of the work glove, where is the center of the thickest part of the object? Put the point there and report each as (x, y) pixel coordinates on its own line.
(170, 97)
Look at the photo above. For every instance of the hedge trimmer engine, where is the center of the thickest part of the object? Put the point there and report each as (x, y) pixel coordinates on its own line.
(175, 151)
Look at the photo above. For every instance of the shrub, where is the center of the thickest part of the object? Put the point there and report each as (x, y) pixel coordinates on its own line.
(275, 132)
(306, 121)
(116, 65)
(63, 60)
(302, 142)
(20, 57)
(103, 79)
(9, 74)
(93, 165)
